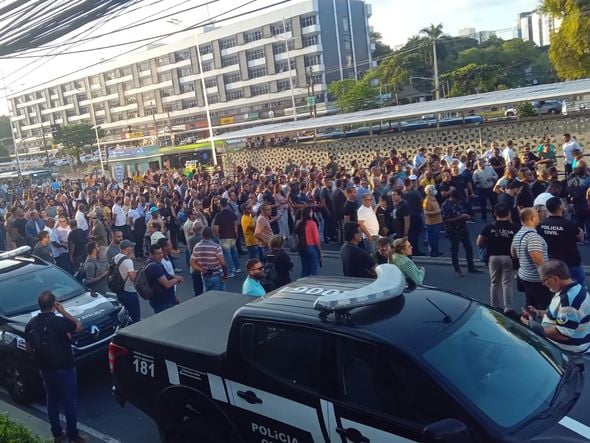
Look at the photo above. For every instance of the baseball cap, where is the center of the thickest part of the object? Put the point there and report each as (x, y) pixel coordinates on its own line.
(153, 210)
(126, 244)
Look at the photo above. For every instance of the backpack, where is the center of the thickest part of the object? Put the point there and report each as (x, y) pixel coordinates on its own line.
(80, 274)
(270, 273)
(42, 342)
(115, 280)
(142, 285)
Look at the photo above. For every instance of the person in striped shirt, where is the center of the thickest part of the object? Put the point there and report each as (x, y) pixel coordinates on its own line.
(566, 320)
(207, 258)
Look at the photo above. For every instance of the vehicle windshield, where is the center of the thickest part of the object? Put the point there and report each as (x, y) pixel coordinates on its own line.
(19, 294)
(508, 372)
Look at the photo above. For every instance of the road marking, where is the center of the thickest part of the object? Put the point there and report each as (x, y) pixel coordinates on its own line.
(82, 427)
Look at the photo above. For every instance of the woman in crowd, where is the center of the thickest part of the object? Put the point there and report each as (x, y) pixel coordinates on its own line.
(282, 209)
(432, 219)
(277, 264)
(310, 247)
(402, 250)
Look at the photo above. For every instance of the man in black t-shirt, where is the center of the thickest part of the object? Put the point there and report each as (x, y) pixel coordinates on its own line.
(497, 162)
(77, 240)
(496, 238)
(561, 236)
(356, 262)
(508, 198)
(351, 206)
(225, 227)
(400, 214)
(48, 339)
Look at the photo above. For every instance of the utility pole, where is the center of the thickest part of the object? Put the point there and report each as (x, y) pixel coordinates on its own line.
(435, 60)
(311, 98)
(45, 145)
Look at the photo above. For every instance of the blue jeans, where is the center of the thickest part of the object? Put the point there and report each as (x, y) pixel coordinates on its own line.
(310, 261)
(433, 232)
(213, 283)
(255, 252)
(61, 389)
(131, 302)
(577, 274)
(230, 253)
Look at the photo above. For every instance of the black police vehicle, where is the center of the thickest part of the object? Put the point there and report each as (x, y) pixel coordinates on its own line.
(22, 278)
(333, 359)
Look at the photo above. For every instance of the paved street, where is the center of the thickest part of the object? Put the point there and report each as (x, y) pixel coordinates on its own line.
(99, 412)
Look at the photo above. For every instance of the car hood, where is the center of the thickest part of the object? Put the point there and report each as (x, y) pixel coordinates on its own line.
(85, 307)
(574, 426)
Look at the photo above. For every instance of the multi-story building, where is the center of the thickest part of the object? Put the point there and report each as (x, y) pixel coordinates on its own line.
(251, 70)
(537, 27)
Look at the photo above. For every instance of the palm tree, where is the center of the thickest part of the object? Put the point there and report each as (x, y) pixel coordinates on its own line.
(433, 33)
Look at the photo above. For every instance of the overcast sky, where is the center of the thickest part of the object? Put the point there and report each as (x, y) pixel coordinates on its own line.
(396, 20)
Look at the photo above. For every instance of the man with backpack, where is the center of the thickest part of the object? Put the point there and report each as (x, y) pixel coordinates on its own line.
(161, 281)
(48, 339)
(122, 279)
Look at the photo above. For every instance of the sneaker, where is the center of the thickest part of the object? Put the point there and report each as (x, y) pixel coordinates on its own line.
(232, 275)
(237, 271)
(177, 270)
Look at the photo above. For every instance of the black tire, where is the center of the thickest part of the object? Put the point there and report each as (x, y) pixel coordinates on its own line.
(553, 111)
(21, 380)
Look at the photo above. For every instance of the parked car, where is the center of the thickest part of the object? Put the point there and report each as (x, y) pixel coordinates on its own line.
(541, 107)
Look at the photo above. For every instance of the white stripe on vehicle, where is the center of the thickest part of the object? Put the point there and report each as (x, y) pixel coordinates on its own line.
(217, 388)
(173, 376)
(576, 426)
(373, 434)
(278, 408)
(328, 414)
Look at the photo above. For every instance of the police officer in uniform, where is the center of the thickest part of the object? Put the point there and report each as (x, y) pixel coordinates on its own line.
(561, 236)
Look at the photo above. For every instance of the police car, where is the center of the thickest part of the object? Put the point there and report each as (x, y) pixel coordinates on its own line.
(22, 278)
(333, 359)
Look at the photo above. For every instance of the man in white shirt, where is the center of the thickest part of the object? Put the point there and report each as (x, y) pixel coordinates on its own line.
(569, 146)
(120, 218)
(53, 239)
(81, 218)
(508, 152)
(368, 223)
(128, 297)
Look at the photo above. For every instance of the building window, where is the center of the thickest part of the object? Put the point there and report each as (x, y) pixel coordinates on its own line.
(311, 60)
(165, 76)
(146, 81)
(234, 95)
(170, 107)
(207, 66)
(167, 92)
(347, 46)
(182, 55)
(258, 90)
(345, 24)
(55, 104)
(254, 54)
(252, 36)
(213, 99)
(279, 48)
(317, 79)
(229, 61)
(79, 84)
(163, 61)
(310, 40)
(282, 66)
(144, 66)
(210, 82)
(186, 71)
(283, 85)
(228, 43)
(257, 72)
(126, 71)
(232, 77)
(187, 87)
(205, 49)
(278, 28)
(190, 103)
(148, 96)
(308, 21)
(65, 88)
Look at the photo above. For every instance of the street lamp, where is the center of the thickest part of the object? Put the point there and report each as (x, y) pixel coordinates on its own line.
(289, 68)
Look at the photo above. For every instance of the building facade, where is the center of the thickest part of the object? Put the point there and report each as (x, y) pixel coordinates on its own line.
(537, 27)
(251, 70)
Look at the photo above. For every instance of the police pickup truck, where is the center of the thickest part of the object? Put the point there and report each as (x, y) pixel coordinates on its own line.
(22, 278)
(332, 359)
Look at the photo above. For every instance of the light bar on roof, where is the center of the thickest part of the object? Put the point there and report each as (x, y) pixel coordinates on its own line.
(390, 283)
(23, 250)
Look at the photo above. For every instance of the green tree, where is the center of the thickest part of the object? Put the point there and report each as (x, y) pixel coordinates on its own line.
(381, 49)
(352, 95)
(473, 79)
(570, 45)
(525, 109)
(74, 137)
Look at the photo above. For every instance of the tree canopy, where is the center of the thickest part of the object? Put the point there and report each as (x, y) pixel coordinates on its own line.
(570, 45)
(74, 137)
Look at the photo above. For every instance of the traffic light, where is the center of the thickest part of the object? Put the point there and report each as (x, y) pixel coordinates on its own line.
(56, 131)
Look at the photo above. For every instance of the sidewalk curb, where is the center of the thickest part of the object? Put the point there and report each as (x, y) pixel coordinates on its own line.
(30, 421)
(425, 260)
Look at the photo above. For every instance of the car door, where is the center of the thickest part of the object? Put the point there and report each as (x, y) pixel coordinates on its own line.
(274, 390)
(383, 396)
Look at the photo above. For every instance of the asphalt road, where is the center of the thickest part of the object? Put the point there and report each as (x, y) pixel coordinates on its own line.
(104, 420)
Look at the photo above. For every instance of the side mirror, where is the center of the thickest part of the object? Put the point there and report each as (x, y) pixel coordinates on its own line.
(449, 430)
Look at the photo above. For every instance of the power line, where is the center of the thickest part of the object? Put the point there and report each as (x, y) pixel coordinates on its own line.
(203, 23)
(161, 36)
(125, 28)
